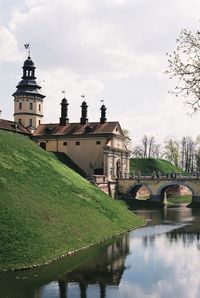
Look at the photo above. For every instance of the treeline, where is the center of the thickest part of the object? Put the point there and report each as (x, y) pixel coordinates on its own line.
(183, 153)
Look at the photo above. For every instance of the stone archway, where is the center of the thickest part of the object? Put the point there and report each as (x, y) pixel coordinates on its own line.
(162, 189)
(133, 189)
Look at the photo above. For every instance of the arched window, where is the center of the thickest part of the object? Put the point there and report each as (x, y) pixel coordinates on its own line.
(43, 145)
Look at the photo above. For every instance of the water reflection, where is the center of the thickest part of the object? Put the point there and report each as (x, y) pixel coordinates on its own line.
(159, 260)
(103, 270)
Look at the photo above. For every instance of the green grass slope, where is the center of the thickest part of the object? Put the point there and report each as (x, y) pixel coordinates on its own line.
(152, 164)
(46, 209)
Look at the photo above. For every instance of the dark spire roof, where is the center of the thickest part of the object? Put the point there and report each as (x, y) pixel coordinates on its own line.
(28, 84)
(29, 62)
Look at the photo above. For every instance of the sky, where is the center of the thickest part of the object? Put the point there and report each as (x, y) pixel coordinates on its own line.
(111, 50)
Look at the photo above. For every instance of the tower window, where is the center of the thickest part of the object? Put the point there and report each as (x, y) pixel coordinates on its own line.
(30, 122)
(98, 142)
(64, 143)
(39, 122)
(20, 121)
(31, 105)
(39, 107)
(20, 105)
(77, 143)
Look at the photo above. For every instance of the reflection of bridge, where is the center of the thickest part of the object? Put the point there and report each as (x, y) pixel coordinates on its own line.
(158, 184)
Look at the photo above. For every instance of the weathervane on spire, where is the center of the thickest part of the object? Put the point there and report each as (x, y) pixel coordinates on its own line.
(63, 92)
(27, 47)
(83, 96)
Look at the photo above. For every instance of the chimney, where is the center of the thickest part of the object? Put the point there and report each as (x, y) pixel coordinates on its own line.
(84, 119)
(103, 114)
(64, 112)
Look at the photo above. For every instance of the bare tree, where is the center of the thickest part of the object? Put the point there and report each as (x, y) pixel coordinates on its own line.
(147, 149)
(184, 65)
(145, 145)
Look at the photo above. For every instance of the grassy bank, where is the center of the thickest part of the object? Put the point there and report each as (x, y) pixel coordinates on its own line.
(46, 209)
(152, 164)
(179, 199)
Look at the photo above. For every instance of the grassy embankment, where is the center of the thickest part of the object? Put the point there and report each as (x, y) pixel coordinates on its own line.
(46, 209)
(148, 165)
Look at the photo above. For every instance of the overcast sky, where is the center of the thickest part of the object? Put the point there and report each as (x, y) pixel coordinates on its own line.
(113, 50)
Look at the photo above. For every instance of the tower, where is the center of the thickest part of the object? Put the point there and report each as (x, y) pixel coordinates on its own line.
(28, 101)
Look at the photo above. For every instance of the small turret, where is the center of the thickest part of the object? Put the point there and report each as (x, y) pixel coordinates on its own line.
(84, 119)
(64, 112)
(103, 114)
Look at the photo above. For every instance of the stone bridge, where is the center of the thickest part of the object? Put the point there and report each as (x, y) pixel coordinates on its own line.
(157, 185)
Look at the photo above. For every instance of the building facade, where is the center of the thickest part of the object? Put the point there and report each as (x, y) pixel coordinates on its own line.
(98, 148)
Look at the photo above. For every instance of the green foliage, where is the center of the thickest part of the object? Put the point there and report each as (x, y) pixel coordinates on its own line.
(46, 209)
(177, 199)
(152, 164)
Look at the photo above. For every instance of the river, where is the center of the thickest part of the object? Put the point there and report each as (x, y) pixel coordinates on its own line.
(161, 259)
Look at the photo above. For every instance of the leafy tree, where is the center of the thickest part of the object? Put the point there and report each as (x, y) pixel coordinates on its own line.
(171, 151)
(184, 65)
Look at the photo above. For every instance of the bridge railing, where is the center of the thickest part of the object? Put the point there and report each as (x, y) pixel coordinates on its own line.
(159, 175)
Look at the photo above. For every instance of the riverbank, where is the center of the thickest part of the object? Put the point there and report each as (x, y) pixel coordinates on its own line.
(47, 210)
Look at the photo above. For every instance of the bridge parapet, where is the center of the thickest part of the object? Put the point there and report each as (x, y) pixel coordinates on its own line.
(159, 175)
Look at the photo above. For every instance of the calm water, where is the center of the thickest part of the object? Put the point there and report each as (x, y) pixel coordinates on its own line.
(159, 260)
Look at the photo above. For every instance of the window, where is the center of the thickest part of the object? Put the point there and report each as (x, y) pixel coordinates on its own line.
(98, 142)
(39, 122)
(20, 105)
(30, 122)
(64, 143)
(77, 143)
(39, 107)
(31, 105)
(20, 121)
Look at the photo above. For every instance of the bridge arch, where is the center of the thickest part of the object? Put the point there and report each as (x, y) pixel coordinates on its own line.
(133, 189)
(162, 189)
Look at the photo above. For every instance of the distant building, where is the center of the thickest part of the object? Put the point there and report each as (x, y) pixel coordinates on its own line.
(98, 148)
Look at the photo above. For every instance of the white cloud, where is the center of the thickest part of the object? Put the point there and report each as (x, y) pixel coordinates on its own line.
(113, 50)
(8, 46)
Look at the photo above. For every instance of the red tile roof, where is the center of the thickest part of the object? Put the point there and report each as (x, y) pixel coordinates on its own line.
(13, 126)
(76, 129)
